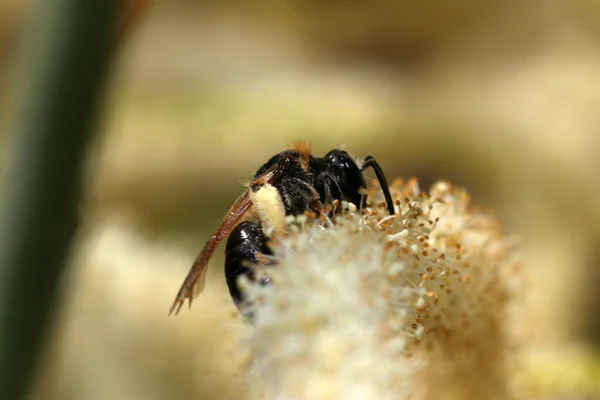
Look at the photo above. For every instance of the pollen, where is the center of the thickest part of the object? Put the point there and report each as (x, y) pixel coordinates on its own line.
(372, 314)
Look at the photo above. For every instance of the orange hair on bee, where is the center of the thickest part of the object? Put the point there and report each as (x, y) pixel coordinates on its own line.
(304, 148)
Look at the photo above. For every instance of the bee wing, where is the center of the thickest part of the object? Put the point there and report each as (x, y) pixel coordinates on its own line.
(193, 284)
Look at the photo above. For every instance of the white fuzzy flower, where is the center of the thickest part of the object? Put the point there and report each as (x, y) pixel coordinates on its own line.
(376, 307)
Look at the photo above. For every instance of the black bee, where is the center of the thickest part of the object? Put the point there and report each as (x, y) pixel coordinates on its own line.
(292, 182)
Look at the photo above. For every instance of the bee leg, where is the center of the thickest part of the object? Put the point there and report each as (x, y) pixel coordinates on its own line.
(245, 251)
(299, 196)
(370, 162)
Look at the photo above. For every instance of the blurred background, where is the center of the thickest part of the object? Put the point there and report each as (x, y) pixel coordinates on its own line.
(502, 98)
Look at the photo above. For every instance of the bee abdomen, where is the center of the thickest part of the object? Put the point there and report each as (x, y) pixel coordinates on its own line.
(245, 246)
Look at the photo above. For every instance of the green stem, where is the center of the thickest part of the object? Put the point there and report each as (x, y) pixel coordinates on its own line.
(38, 219)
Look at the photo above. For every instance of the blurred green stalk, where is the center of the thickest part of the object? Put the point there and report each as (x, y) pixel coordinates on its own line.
(66, 71)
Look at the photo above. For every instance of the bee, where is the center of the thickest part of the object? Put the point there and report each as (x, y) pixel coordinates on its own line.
(292, 182)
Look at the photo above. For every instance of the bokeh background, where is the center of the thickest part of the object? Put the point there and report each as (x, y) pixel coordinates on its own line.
(502, 98)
